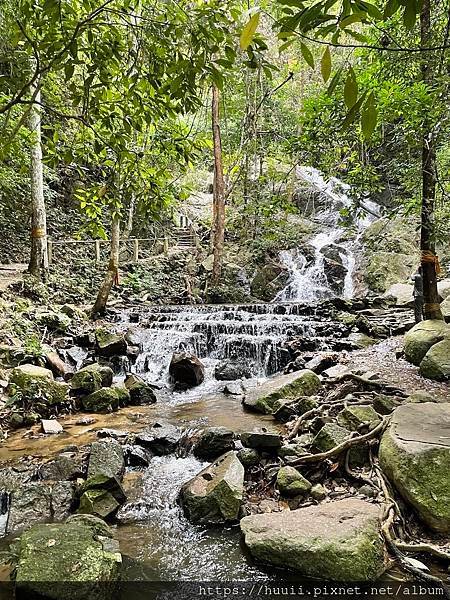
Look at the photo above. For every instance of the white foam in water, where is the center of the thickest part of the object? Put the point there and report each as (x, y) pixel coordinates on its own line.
(307, 280)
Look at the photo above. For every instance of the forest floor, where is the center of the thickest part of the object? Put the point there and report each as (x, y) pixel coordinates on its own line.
(10, 274)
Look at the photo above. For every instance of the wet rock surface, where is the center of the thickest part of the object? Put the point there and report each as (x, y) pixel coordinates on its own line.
(415, 454)
(338, 541)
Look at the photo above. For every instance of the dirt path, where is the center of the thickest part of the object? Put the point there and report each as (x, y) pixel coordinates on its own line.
(10, 274)
(381, 359)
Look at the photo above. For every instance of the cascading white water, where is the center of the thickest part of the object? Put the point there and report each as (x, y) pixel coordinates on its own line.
(308, 281)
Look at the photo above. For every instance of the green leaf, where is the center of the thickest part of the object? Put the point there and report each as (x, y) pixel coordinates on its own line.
(350, 89)
(391, 8)
(369, 117)
(285, 45)
(334, 81)
(249, 31)
(351, 115)
(307, 55)
(355, 18)
(409, 15)
(68, 70)
(325, 65)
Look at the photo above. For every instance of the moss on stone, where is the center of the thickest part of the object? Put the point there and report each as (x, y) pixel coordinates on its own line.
(422, 337)
(292, 483)
(106, 399)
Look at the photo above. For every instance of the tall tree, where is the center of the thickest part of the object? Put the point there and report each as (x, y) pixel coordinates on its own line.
(432, 309)
(218, 230)
(38, 257)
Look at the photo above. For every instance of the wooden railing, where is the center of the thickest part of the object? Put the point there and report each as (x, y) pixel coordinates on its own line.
(166, 243)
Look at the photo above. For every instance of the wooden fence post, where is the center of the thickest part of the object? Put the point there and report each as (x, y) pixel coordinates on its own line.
(97, 251)
(135, 250)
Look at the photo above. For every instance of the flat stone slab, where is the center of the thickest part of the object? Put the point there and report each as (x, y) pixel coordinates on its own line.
(51, 426)
(415, 455)
(338, 541)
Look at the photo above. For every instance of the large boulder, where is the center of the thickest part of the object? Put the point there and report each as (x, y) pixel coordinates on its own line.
(436, 363)
(269, 396)
(403, 294)
(213, 442)
(37, 382)
(214, 496)
(91, 378)
(109, 344)
(29, 504)
(101, 496)
(106, 458)
(186, 369)
(415, 455)
(229, 370)
(68, 561)
(159, 438)
(338, 541)
(106, 399)
(422, 337)
(141, 393)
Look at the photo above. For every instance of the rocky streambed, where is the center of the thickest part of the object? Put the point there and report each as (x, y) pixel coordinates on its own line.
(228, 479)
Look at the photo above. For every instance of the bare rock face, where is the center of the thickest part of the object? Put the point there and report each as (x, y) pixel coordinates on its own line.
(186, 369)
(214, 496)
(415, 455)
(338, 541)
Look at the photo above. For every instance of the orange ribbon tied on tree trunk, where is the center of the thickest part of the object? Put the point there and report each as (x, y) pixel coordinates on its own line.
(430, 257)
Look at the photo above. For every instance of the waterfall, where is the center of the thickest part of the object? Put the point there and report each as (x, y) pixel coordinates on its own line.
(308, 281)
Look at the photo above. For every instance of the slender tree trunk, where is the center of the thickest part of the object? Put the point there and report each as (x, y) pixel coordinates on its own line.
(432, 308)
(38, 264)
(218, 191)
(112, 273)
(129, 226)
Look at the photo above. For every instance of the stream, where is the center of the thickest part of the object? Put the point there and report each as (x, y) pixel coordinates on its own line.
(157, 541)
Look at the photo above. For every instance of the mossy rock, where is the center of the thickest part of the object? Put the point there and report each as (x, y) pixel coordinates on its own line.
(106, 399)
(329, 436)
(54, 321)
(422, 337)
(292, 483)
(386, 268)
(74, 560)
(436, 363)
(215, 495)
(338, 541)
(110, 344)
(353, 417)
(91, 378)
(415, 455)
(272, 394)
(37, 382)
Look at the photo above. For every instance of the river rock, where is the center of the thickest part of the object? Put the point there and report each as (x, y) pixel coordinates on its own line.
(74, 560)
(249, 457)
(214, 496)
(30, 504)
(54, 321)
(213, 442)
(51, 426)
(63, 495)
(290, 408)
(384, 404)
(159, 438)
(338, 541)
(329, 436)
(186, 369)
(136, 456)
(353, 417)
(37, 382)
(106, 458)
(291, 483)
(109, 344)
(415, 455)
(266, 397)
(106, 399)
(421, 338)
(101, 496)
(402, 293)
(66, 466)
(91, 378)
(229, 370)
(436, 363)
(419, 397)
(141, 393)
(261, 439)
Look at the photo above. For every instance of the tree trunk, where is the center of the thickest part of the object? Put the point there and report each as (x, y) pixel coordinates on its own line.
(38, 264)
(218, 191)
(129, 226)
(112, 273)
(432, 309)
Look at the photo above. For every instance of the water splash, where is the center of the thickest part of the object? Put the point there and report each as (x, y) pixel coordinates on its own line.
(308, 281)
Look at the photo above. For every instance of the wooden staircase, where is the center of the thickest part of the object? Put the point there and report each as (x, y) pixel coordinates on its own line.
(184, 238)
